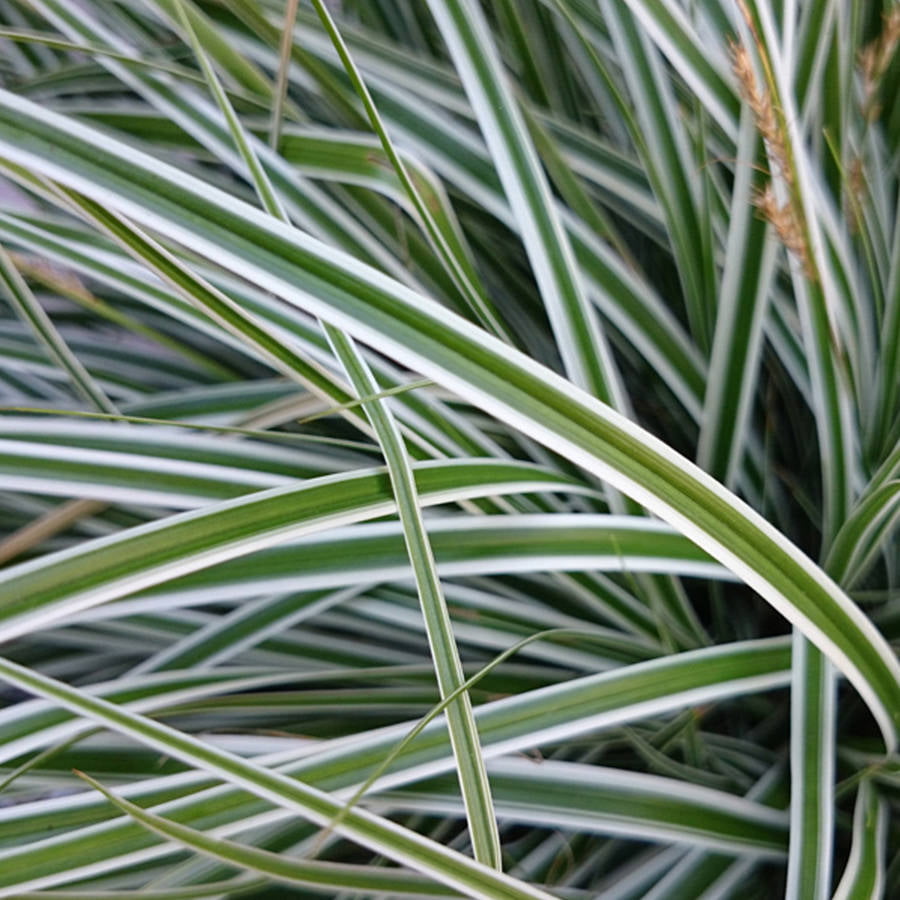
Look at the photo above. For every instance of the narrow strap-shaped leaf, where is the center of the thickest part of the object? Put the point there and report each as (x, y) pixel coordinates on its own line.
(663, 144)
(586, 357)
(448, 247)
(309, 205)
(473, 779)
(740, 313)
(34, 724)
(610, 800)
(825, 309)
(865, 532)
(448, 431)
(387, 762)
(311, 874)
(485, 372)
(462, 546)
(691, 55)
(583, 347)
(272, 452)
(233, 887)
(813, 729)
(246, 625)
(211, 300)
(37, 593)
(107, 475)
(284, 65)
(228, 57)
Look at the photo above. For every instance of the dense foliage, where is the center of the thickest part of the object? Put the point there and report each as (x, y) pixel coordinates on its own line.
(449, 448)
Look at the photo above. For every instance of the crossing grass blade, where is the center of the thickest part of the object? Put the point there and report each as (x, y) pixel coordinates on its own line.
(463, 733)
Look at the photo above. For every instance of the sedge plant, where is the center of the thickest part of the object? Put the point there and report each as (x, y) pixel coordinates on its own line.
(449, 449)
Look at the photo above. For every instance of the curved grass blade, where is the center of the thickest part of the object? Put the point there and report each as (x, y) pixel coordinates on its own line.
(35, 724)
(692, 56)
(135, 477)
(54, 41)
(864, 533)
(583, 346)
(233, 887)
(663, 144)
(448, 247)
(607, 800)
(740, 313)
(284, 65)
(246, 626)
(825, 309)
(463, 546)
(327, 877)
(37, 593)
(473, 779)
(491, 375)
(436, 710)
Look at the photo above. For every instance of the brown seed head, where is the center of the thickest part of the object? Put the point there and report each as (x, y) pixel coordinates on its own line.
(782, 217)
(760, 102)
(875, 58)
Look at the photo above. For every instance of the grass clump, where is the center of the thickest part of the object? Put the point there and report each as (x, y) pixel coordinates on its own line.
(450, 449)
